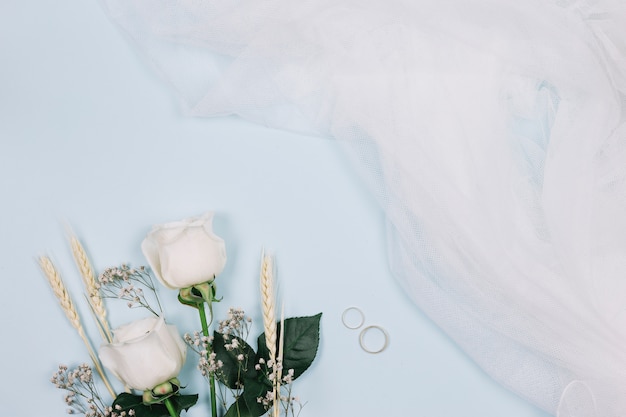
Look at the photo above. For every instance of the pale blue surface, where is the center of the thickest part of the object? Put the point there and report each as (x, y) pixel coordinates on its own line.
(89, 137)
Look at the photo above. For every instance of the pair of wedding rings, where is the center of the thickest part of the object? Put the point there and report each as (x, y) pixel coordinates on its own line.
(353, 318)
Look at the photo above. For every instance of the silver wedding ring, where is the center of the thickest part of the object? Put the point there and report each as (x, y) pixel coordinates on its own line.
(352, 324)
(370, 349)
(353, 318)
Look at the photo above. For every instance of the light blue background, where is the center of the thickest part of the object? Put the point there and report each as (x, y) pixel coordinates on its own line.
(91, 139)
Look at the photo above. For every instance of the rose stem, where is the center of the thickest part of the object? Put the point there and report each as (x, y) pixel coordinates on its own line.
(170, 408)
(205, 331)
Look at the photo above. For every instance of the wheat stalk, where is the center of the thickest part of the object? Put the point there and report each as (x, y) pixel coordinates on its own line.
(93, 293)
(61, 293)
(269, 320)
(267, 304)
(279, 371)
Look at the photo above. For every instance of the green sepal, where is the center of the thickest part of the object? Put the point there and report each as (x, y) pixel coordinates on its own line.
(302, 337)
(186, 297)
(162, 391)
(198, 294)
(128, 402)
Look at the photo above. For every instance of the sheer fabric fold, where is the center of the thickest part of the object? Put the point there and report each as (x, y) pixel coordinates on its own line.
(493, 135)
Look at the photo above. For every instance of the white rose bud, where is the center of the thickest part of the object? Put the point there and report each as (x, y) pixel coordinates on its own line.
(145, 353)
(185, 253)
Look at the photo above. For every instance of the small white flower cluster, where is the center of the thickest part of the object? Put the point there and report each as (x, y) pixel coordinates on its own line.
(126, 284)
(118, 412)
(202, 344)
(235, 330)
(290, 404)
(119, 273)
(236, 324)
(82, 396)
(197, 340)
(267, 400)
(65, 379)
(288, 379)
(274, 369)
(233, 345)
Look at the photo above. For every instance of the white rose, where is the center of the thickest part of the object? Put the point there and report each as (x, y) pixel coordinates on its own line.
(145, 353)
(185, 253)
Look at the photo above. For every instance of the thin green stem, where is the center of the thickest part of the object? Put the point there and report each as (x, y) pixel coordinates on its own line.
(205, 331)
(170, 408)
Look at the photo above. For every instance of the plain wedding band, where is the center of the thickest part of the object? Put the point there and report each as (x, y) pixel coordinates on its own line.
(346, 311)
(362, 336)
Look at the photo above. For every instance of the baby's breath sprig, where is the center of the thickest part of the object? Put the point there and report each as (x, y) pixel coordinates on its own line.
(234, 328)
(290, 404)
(82, 394)
(201, 344)
(283, 399)
(208, 364)
(126, 283)
(236, 324)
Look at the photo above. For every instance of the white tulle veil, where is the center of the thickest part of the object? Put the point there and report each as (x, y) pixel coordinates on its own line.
(492, 133)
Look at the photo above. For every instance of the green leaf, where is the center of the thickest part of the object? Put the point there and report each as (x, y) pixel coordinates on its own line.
(255, 388)
(302, 337)
(233, 371)
(238, 409)
(184, 402)
(135, 402)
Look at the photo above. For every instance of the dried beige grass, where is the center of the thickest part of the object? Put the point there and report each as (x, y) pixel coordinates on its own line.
(269, 318)
(279, 359)
(268, 302)
(61, 293)
(91, 285)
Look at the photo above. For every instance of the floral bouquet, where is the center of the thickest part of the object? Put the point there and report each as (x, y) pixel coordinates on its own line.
(148, 354)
